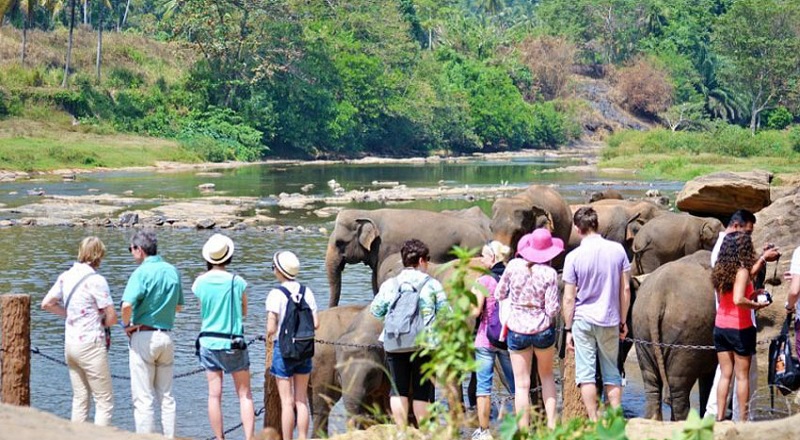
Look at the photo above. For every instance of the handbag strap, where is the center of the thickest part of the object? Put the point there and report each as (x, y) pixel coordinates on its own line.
(786, 322)
(233, 304)
(74, 288)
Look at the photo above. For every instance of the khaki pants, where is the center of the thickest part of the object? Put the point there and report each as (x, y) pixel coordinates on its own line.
(152, 354)
(89, 374)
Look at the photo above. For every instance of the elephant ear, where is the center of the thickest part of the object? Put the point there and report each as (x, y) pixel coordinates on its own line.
(367, 232)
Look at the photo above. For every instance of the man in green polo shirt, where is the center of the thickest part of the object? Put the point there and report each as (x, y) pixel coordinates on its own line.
(151, 299)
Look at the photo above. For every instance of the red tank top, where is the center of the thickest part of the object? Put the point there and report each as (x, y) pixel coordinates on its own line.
(729, 315)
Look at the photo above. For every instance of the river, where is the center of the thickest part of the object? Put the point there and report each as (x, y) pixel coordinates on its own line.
(35, 256)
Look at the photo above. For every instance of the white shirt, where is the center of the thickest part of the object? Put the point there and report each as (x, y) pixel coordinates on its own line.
(277, 301)
(84, 322)
(794, 269)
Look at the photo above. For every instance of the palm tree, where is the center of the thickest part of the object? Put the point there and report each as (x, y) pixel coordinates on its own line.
(26, 7)
(69, 42)
(720, 102)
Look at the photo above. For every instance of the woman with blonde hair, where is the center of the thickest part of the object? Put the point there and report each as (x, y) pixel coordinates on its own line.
(493, 257)
(82, 297)
(734, 332)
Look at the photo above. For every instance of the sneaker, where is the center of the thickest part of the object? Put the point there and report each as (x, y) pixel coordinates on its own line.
(476, 435)
(485, 435)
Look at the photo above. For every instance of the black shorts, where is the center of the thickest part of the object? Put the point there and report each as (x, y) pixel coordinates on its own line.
(407, 374)
(741, 342)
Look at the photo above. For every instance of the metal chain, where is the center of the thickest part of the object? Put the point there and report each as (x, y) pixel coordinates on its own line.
(683, 346)
(230, 430)
(343, 344)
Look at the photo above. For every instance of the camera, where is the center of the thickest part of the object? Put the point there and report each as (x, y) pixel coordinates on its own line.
(238, 344)
(764, 297)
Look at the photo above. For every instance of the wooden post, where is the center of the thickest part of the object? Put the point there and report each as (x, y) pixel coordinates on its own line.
(571, 394)
(16, 359)
(272, 400)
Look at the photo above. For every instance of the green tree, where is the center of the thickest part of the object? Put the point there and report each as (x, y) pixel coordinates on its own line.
(759, 41)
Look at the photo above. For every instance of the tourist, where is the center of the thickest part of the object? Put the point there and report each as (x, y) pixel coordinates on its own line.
(493, 257)
(152, 297)
(596, 300)
(221, 346)
(792, 304)
(734, 331)
(291, 376)
(532, 285)
(82, 297)
(740, 221)
(406, 367)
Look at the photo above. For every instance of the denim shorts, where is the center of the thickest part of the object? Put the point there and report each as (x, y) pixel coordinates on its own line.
(593, 342)
(227, 361)
(283, 369)
(520, 341)
(485, 372)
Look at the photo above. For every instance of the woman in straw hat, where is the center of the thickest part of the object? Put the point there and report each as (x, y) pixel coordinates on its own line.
(221, 347)
(290, 376)
(82, 297)
(493, 256)
(532, 285)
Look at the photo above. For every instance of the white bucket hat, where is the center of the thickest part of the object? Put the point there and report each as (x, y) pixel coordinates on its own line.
(287, 264)
(218, 249)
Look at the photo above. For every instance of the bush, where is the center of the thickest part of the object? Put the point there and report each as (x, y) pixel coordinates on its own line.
(4, 103)
(794, 139)
(122, 78)
(549, 59)
(234, 138)
(643, 88)
(779, 118)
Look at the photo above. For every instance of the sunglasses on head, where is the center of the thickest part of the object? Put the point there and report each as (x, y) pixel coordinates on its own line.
(131, 248)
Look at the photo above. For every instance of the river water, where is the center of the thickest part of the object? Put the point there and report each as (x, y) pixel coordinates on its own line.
(34, 257)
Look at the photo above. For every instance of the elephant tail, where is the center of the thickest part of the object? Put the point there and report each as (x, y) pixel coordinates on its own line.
(658, 353)
(637, 256)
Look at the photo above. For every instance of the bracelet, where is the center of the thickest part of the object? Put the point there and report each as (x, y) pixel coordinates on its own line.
(567, 330)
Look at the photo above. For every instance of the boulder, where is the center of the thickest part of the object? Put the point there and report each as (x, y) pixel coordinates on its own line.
(205, 223)
(721, 194)
(128, 219)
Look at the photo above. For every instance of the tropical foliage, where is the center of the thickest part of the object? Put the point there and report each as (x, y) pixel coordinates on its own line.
(402, 77)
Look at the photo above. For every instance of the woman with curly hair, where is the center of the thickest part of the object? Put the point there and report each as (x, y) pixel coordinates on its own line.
(734, 333)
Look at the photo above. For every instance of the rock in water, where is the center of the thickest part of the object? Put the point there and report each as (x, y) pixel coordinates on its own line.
(721, 194)
(128, 219)
(205, 224)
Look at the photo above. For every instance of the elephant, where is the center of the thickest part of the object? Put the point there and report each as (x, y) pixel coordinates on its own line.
(368, 237)
(605, 195)
(361, 368)
(670, 237)
(475, 214)
(535, 207)
(675, 305)
(323, 384)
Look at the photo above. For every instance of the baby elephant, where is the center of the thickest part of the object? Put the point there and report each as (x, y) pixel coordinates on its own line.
(671, 236)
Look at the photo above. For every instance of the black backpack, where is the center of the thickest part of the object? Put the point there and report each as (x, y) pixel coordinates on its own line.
(784, 368)
(296, 336)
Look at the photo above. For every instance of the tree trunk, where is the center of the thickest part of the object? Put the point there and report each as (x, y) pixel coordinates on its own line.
(24, 39)
(69, 43)
(99, 40)
(753, 121)
(85, 11)
(125, 15)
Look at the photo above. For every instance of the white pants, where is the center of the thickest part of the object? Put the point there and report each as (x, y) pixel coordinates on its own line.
(89, 374)
(152, 354)
(712, 406)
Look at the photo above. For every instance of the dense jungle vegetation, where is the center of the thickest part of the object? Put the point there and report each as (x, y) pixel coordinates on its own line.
(248, 79)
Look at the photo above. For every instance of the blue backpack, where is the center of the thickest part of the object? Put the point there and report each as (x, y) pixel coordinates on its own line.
(296, 337)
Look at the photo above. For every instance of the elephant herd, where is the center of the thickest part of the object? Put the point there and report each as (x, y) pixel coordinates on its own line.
(674, 304)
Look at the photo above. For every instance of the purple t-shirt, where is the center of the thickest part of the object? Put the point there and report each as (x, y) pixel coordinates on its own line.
(595, 268)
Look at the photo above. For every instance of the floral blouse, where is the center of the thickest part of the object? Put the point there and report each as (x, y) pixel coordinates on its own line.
(534, 296)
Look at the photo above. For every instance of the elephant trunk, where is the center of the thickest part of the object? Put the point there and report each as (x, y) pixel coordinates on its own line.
(334, 264)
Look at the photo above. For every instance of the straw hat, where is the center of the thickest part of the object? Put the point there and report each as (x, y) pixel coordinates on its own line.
(286, 263)
(539, 246)
(218, 249)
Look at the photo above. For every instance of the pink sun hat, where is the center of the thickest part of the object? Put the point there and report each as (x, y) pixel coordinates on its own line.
(539, 246)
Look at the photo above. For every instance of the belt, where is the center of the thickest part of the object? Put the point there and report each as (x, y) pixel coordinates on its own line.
(147, 328)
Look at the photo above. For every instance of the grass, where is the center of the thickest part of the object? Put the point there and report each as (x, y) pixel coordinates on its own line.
(29, 145)
(662, 154)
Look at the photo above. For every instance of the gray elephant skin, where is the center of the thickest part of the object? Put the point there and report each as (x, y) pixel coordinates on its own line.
(536, 207)
(368, 237)
(675, 305)
(670, 237)
(361, 369)
(323, 384)
(619, 220)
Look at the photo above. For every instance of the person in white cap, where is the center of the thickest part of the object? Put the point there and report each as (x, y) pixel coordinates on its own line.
(220, 346)
(291, 376)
